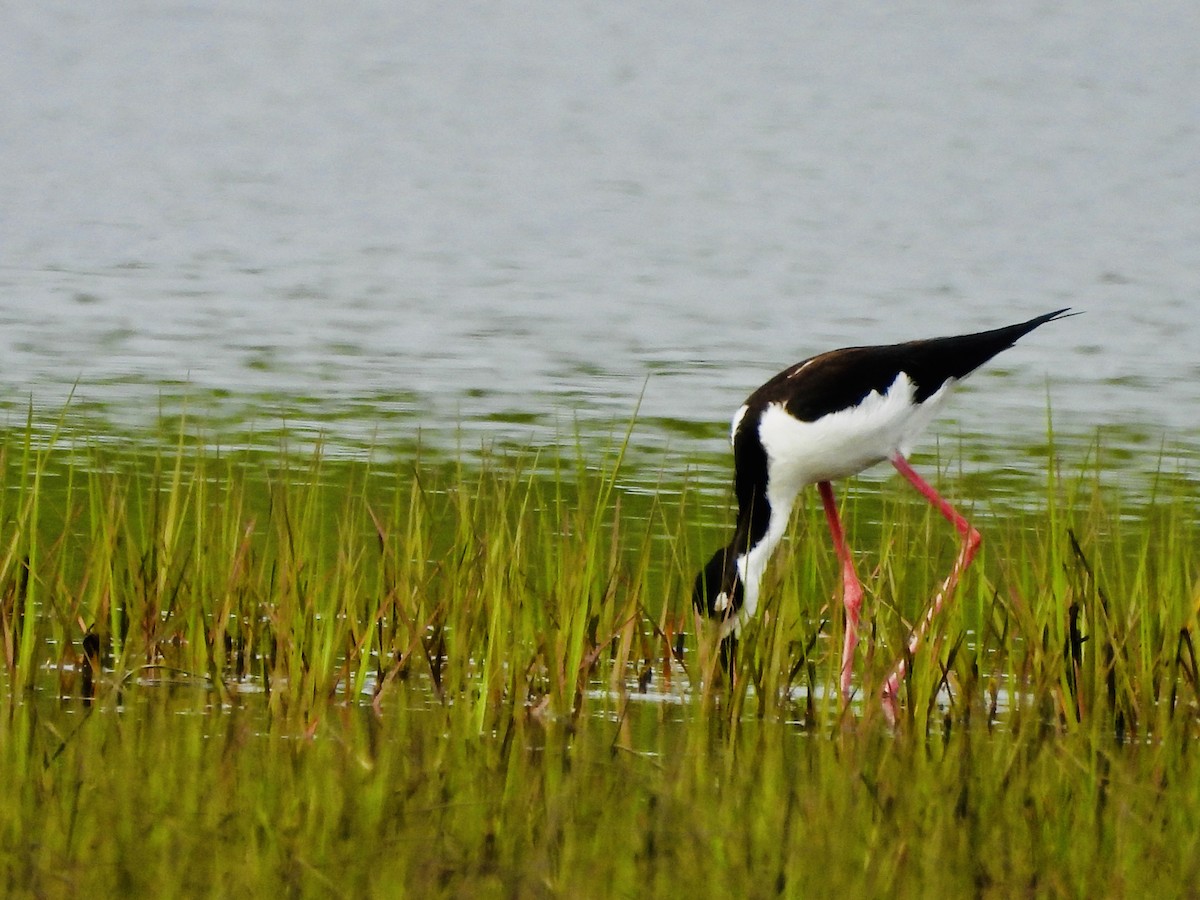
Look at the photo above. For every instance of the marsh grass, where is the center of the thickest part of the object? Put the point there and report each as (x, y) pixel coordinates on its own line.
(297, 674)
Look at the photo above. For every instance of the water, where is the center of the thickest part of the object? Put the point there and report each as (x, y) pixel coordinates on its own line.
(503, 221)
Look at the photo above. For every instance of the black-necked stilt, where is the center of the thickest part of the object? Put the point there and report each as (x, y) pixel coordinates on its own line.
(829, 417)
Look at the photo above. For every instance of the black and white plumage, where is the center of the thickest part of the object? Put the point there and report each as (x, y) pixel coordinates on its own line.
(829, 417)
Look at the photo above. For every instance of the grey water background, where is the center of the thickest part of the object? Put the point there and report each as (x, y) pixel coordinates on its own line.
(507, 221)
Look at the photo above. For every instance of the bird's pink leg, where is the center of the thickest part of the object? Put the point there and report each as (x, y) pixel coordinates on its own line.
(970, 546)
(852, 592)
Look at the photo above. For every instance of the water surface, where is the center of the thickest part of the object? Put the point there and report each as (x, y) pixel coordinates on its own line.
(504, 222)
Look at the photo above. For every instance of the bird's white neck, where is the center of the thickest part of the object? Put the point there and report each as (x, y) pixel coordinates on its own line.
(752, 563)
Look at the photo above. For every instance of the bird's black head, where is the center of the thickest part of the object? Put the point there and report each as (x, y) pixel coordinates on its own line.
(718, 591)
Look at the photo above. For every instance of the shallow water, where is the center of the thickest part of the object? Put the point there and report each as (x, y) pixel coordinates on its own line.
(507, 223)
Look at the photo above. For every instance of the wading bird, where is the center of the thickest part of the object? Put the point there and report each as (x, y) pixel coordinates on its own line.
(830, 417)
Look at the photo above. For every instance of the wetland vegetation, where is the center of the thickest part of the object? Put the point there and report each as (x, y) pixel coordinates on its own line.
(407, 673)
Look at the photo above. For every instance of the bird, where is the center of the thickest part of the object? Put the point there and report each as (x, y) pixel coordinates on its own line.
(830, 417)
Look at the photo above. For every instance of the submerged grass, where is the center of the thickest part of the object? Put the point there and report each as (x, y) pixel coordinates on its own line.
(261, 672)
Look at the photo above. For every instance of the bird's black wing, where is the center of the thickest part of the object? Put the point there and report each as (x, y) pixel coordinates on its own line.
(842, 378)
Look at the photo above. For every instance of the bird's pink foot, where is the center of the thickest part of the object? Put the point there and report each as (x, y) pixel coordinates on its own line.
(852, 591)
(970, 547)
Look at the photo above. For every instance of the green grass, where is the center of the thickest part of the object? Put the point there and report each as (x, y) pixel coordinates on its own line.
(277, 674)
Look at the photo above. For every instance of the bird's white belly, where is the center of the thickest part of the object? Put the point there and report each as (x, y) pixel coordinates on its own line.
(845, 442)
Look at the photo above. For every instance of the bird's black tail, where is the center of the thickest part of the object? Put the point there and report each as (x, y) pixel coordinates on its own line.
(931, 361)
(1008, 335)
